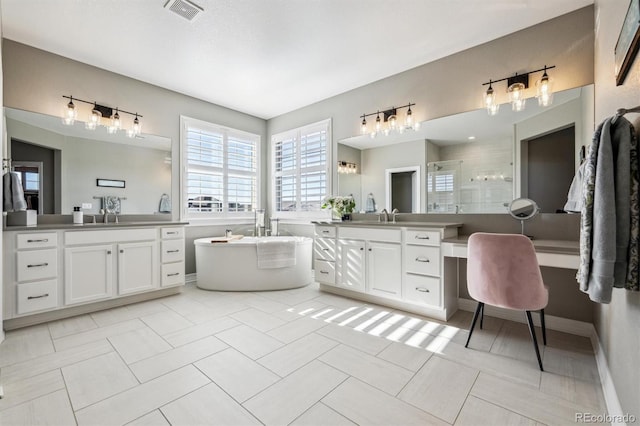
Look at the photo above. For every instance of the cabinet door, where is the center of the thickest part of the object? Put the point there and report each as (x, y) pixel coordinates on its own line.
(137, 267)
(88, 273)
(351, 270)
(384, 274)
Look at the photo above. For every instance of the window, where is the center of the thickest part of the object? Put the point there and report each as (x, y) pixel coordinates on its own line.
(220, 170)
(301, 173)
(441, 191)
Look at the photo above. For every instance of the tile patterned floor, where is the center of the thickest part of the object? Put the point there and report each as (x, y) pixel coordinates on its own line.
(299, 357)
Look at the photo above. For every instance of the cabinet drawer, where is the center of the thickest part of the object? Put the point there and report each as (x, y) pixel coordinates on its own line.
(422, 260)
(325, 231)
(423, 237)
(325, 249)
(172, 274)
(421, 289)
(371, 234)
(37, 240)
(172, 251)
(37, 296)
(172, 233)
(37, 264)
(325, 271)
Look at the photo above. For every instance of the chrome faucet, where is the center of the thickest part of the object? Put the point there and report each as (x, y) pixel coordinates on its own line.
(386, 215)
(105, 217)
(394, 213)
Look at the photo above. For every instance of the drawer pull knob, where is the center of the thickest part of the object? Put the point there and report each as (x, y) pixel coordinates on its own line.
(174, 274)
(325, 232)
(173, 251)
(38, 265)
(44, 240)
(421, 237)
(121, 251)
(172, 233)
(326, 249)
(422, 289)
(38, 297)
(108, 251)
(422, 259)
(361, 248)
(324, 272)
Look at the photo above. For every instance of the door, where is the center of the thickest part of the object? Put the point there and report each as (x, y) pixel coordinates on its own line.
(384, 269)
(351, 270)
(88, 273)
(550, 169)
(137, 267)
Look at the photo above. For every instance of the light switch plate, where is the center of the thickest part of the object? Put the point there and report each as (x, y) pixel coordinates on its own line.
(87, 205)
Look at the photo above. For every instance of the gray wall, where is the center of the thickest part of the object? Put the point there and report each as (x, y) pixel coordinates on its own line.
(35, 80)
(618, 324)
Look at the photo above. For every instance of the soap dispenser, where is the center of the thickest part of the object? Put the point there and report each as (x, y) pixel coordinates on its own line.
(77, 215)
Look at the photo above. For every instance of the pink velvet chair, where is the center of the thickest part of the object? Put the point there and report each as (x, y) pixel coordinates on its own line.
(503, 271)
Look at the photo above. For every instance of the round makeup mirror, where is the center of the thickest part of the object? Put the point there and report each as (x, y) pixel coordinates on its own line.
(523, 209)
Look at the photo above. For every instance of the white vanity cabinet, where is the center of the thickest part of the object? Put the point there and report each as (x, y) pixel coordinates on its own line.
(66, 268)
(36, 271)
(172, 257)
(370, 261)
(324, 254)
(394, 265)
(90, 268)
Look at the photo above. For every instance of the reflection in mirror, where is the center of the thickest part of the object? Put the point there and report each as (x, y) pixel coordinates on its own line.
(72, 158)
(476, 163)
(523, 209)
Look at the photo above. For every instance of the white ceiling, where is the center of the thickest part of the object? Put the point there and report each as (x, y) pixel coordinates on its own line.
(267, 57)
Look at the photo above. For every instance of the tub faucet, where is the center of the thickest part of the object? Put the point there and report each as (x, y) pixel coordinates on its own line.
(386, 215)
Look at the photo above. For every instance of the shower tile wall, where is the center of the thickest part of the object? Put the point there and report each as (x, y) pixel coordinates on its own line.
(485, 183)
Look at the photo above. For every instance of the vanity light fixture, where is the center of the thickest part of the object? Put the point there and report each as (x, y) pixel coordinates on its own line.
(70, 113)
(344, 167)
(389, 122)
(516, 86)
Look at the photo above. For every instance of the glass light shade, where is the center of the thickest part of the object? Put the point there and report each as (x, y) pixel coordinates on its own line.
(69, 114)
(516, 96)
(408, 121)
(544, 91)
(378, 123)
(489, 99)
(137, 127)
(416, 126)
(94, 120)
(131, 133)
(115, 121)
(392, 122)
(363, 126)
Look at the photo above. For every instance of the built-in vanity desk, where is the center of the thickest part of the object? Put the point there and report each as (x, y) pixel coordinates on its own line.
(58, 270)
(554, 253)
(394, 264)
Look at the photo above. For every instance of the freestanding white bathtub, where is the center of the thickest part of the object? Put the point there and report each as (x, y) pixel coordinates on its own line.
(233, 266)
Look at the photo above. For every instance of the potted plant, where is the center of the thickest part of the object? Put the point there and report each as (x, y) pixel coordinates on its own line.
(341, 207)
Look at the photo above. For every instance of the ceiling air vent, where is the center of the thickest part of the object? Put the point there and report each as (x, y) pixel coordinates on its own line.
(184, 8)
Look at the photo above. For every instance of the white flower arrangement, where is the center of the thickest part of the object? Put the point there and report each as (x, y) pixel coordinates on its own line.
(340, 205)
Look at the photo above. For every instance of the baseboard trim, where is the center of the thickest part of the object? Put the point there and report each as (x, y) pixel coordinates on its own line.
(614, 409)
(191, 278)
(566, 325)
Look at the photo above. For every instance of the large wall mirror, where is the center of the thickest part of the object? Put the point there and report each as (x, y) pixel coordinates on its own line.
(60, 165)
(475, 163)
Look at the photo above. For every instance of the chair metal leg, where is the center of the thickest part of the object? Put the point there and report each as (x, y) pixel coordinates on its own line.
(544, 328)
(481, 316)
(473, 323)
(532, 330)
